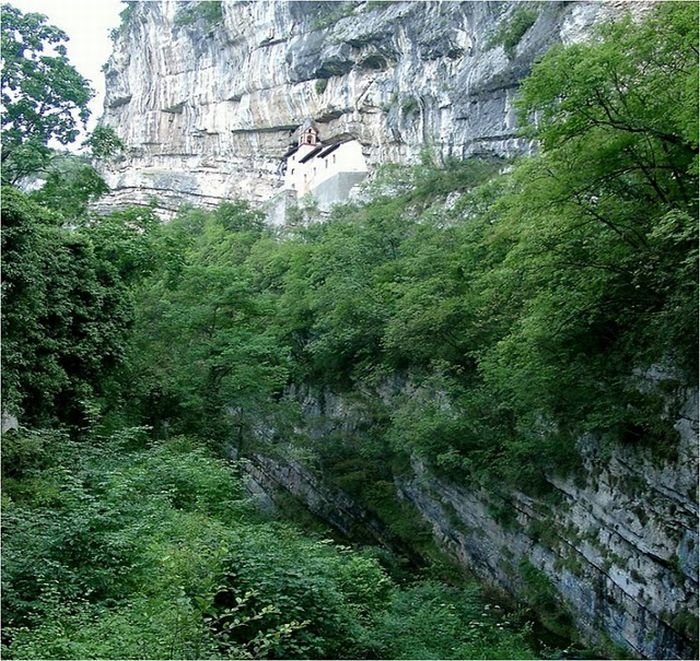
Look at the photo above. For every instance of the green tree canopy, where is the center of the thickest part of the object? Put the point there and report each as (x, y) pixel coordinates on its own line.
(104, 142)
(66, 305)
(43, 96)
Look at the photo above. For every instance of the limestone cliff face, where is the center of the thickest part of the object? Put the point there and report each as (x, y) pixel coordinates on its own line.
(611, 550)
(207, 101)
(619, 548)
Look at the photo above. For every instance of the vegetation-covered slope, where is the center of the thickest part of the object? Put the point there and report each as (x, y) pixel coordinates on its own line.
(532, 301)
(116, 548)
(519, 302)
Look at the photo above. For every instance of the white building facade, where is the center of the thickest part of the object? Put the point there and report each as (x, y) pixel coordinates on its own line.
(326, 171)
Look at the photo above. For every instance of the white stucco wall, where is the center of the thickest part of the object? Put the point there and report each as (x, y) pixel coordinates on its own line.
(303, 178)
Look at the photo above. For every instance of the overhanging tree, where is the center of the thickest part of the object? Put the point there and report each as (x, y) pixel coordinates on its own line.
(43, 96)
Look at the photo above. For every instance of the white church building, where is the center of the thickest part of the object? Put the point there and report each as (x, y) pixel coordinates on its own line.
(325, 171)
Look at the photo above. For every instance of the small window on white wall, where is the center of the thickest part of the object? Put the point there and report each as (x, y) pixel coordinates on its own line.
(334, 158)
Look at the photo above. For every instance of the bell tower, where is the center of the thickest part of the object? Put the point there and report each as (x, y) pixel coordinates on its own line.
(308, 136)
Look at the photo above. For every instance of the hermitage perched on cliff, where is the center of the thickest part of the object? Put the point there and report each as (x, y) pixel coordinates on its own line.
(326, 171)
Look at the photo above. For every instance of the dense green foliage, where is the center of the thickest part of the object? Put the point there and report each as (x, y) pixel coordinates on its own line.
(66, 299)
(104, 143)
(523, 316)
(69, 187)
(43, 96)
(119, 549)
(205, 342)
(480, 317)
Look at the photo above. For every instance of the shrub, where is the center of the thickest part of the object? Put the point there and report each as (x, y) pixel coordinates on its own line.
(124, 19)
(209, 11)
(510, 34)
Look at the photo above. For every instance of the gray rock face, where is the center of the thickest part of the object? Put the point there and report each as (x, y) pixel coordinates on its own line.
(264, 476)
(620, 549)
(617, 546)
(206, 108)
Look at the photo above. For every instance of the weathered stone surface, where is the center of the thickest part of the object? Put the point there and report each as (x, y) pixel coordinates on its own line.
(207, 110)
(264, 476)
(619, 545)
(9, 422)
(621, 548)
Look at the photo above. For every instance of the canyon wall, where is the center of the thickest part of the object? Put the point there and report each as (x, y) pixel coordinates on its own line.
(610, 551)
(619, 545)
